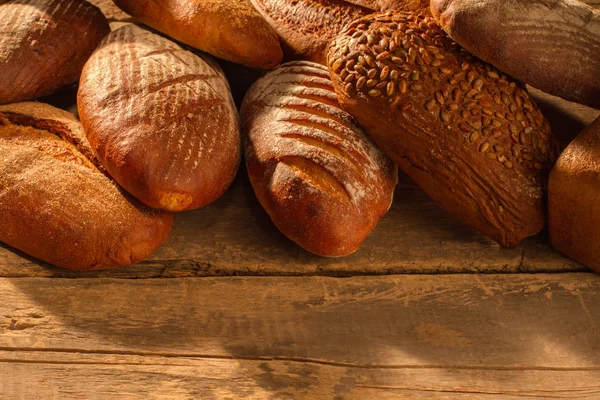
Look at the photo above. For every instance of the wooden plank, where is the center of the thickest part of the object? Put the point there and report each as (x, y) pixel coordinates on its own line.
(81, 376)
(365, 337)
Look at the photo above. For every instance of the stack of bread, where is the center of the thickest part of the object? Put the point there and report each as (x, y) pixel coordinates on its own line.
(366, 86)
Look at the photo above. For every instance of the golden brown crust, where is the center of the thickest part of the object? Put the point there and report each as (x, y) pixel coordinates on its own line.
(551, 45)
(305, 27)
(44, 45)
(573, 193)
(322, 181)
(416, 6)
(232, 30)
(160, 119)
(56, 205)
(469, 135)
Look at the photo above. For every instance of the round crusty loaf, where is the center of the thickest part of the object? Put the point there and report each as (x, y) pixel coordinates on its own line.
(160, 119)
(305, 27)
(57, 205)
(44, 45)
(471, 137)
(323, 183)
(573, 193)
(230, 29)
(551, 45)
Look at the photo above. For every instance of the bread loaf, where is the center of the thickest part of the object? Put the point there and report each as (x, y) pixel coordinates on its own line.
(323, 183)
(573, 193)
(161, 119)
(416, 6)
(470, 136)
(44, 44)
(306, 26)
(551, 45)
(57, 205)
(231, 29)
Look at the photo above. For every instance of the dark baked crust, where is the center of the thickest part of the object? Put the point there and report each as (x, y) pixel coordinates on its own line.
(470, 136)
(551, 45)
(161, 119)
(323, 183)
(232, 30)
(56, 205)
(573, 193)
(305, 27)
(44, 45)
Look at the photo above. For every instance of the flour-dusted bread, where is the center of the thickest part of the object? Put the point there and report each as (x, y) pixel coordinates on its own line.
(305, 27)
(324, 184)
(44, 45)
(553, 45)
(470, 136)
(57, 204)
(229, 29)
(161, 119)
(573, 194)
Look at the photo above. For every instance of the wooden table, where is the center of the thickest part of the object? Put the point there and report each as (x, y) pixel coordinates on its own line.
(229, 308)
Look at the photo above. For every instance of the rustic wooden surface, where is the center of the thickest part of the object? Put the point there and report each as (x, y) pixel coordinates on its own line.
(427, 308)
(402, 336)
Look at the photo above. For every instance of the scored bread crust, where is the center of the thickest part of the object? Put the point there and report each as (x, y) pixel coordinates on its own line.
(551, 45)
(573, 193)
(57, 205)
(161, 119)
(470, 136)
(324, 184)
(232, 30)
(44, 45)
(305, 27)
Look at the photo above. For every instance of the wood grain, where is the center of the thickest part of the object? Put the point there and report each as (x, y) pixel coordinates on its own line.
(366, 337)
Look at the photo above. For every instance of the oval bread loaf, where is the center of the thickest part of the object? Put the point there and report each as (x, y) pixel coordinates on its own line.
(551, 45)
(323, 183)
(573, 193)
(306, 26)
(44, 45)
(230, 29)
(416, 6)
(470, 136)
(57, 205)
(160, 119)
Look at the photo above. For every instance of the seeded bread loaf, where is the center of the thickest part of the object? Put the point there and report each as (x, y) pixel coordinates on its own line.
(44, 44)
(573, 193)
(470, 136)
(306, 26)
(323, 183)
(231, 29)
(161, 119)
(416, 6)
(551, 45)
(56, 204)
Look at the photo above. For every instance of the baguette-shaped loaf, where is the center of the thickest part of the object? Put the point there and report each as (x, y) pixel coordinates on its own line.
(56, 203)
(324, 184)
(228, 29)
(44, 45)
(161, 119)
(573, 194)
(305, 27)
(470, 136)
(553, 45)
